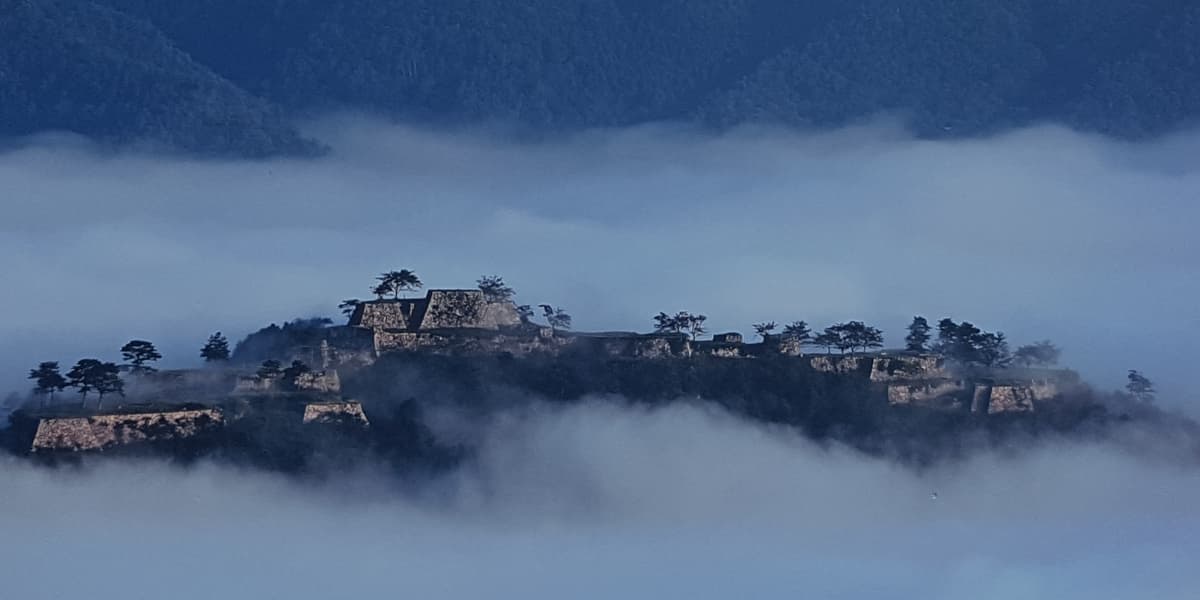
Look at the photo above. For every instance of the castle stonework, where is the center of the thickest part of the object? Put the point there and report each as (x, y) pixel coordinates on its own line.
(101, 432)
(885, 369)
(439, 309)
(317, 382)
(1010, 399)
(946, 395)
(335, 413)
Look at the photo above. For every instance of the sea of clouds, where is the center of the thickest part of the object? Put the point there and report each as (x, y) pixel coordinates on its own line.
(1041, 233)
(602, 501)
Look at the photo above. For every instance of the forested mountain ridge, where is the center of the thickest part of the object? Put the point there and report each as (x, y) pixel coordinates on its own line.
(225, 76)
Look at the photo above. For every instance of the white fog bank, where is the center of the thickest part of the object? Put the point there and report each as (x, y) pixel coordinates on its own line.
(1043, 233)
(601, 502)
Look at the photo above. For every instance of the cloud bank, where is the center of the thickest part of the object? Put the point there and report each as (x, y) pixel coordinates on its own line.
(597, 501)
(1043, 233)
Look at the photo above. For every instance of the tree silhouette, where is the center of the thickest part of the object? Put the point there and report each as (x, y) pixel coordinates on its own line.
(381, 290)
(349, 306)
(764, 329)
(269, 369)
(47, 381)
(139, 352)
(917, 339)
(681, 322)
(798, 332)
(664, 323)
(396, 282)
(1038, 354)
(992, 349)
(84, 376)
(109, 382)
(827, 340)
(967, 343)
(296, 369)
(90, 374)
(216, 349)
(556, 318)
(494, 289)
(525, 312)
(853, 335)
(695, 325)
(1140, 386)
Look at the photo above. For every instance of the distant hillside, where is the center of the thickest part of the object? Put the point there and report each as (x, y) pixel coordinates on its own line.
(77, 66)
(218, 74)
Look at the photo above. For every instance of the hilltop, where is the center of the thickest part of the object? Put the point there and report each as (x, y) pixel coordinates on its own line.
(297, 396)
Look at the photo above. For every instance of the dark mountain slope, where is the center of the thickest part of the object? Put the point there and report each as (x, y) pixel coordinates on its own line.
(81, 67)
(954, 67)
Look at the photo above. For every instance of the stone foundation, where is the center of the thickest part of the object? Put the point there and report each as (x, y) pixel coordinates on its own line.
(885, 369)
(1010, 399)
(943, 395)
(841, 365)
(101, 432)
(337, 413)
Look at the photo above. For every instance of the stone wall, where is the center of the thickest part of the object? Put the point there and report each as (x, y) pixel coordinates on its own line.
(787, 346)
(886, 369)
(841, 364)
(656, 347)
(335, 413)
(317, 382)
(387, 314)
(108, 431)
(392, 341)
(320, 382)
(487, 315)
(942, 395)
(1010, 399)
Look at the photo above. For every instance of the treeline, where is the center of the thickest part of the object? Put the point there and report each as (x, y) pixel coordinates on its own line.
(104, 378)
(222, 75)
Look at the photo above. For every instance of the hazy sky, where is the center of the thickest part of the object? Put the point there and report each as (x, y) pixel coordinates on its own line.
(1041, 233)
(601, 502)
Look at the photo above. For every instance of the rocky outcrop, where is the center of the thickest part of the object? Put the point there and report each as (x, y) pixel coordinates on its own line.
(335, 413)
(102, 432)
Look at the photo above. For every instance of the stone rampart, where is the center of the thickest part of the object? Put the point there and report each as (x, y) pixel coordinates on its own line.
(101, 432)
(944, 394)
(335, 413)
(885, 369)
(842, 365)
(1010, 399)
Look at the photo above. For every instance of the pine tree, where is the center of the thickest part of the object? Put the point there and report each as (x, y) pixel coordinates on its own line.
(139, 352)
(48, 380)
(918, 335)
(216, 350)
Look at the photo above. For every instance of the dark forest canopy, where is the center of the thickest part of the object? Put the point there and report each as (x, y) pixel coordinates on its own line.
(228, 76)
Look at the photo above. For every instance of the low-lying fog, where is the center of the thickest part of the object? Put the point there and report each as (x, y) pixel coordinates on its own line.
(602, 502)
(1043, 233)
